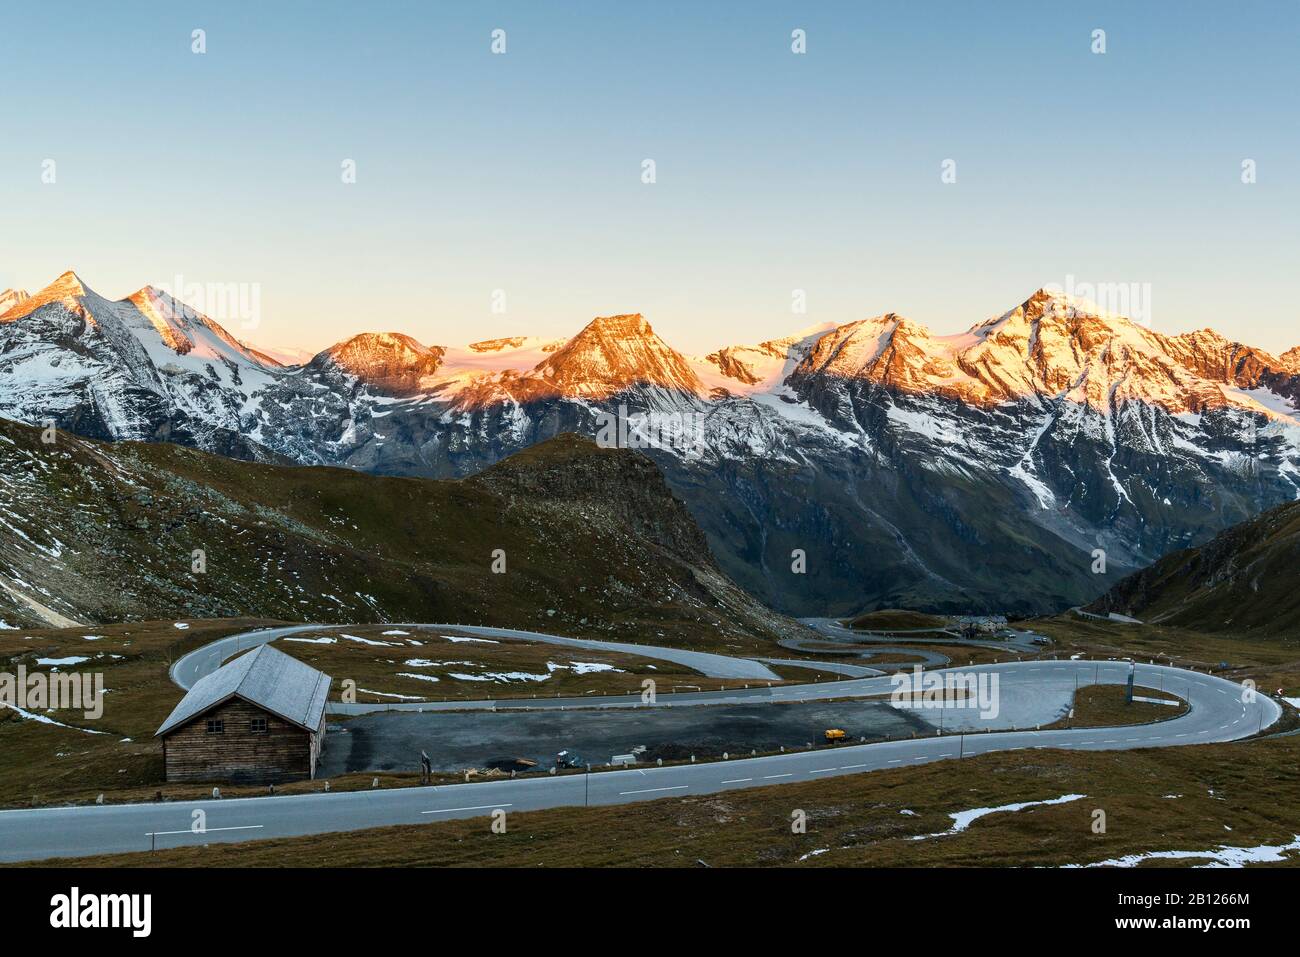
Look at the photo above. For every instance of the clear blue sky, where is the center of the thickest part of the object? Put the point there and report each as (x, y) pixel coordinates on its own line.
(775, 171)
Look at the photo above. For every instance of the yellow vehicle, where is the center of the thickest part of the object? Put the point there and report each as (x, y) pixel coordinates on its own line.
(836, 735)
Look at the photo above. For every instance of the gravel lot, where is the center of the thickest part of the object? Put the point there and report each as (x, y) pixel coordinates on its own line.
(458, 740)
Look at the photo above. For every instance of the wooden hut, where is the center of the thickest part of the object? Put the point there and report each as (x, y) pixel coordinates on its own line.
(259, 719)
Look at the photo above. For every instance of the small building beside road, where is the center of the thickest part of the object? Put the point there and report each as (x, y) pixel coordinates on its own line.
(259, 719)
(973, 626)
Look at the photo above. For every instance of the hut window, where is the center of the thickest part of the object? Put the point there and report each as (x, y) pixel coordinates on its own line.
(216, 726)
(257, 725)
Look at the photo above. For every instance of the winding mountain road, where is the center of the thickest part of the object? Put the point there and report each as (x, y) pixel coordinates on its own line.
(202, 661)
(1219, 711)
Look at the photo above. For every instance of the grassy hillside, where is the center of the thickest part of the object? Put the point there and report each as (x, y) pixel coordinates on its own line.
(897, 619)
(435, 664)
(564, 537)
(70, 757)
(1243, 580)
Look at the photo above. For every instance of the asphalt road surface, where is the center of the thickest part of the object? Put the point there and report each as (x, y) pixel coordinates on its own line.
(1026, 695)
(193, 666)
(1017, 640)
(458, 740)
(843, 648)
(1220, 711)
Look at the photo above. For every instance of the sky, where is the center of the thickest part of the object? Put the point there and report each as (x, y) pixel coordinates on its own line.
(486, 180)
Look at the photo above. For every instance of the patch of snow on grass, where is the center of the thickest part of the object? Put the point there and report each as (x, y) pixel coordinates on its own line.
(961, 820)
(582, 667)
(43, 719)
(369, 641)
(502, 676)
(1222, 856)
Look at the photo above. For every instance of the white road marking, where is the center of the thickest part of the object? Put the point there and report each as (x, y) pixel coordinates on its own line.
(675, 787)
(242, 827)
(737, 781)
(822, 770)
(476, 807)
(768, 777)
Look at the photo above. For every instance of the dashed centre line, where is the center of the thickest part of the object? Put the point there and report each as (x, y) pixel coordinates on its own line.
(206, 830)
(476, 807)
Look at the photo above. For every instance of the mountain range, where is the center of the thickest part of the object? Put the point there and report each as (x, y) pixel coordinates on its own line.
(1023, 466)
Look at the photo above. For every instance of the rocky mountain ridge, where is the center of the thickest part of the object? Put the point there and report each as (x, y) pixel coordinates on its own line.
(982, 471)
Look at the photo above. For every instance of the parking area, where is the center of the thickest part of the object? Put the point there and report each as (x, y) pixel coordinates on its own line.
(459, 740)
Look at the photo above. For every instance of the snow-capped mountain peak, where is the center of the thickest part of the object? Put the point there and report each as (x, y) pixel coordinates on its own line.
(1052, 347)
(68, 288)
(183, 329)
(612, 354)
(512, 344)
(762, 368)
(11, 298)
(67, 284)
(388, 362)
(144, 367)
